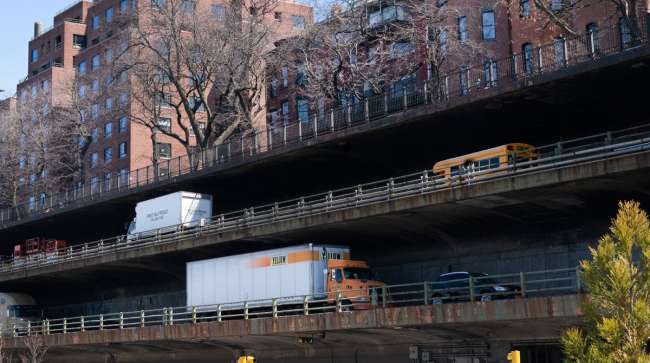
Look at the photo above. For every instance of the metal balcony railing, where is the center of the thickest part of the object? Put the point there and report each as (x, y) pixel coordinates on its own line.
(480, 288)
(480, 80)
(554, 156)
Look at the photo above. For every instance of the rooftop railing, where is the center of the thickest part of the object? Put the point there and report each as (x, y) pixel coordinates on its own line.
(554, 156)
(468, 289)
(482, 80)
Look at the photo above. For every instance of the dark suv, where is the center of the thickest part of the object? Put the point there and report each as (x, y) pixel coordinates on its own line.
(455, 286)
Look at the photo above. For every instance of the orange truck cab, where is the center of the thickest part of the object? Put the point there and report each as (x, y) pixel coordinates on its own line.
(353, 280)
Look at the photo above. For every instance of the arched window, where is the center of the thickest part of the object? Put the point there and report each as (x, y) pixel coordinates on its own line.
(593, 39)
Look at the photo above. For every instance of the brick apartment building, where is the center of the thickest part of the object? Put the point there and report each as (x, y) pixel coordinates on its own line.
(79, 49)
(498, 29)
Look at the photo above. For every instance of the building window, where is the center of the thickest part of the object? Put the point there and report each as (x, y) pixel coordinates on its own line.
(626, 34)
(97, 21)
(109, 105)
(274, 88)
(124, 99)
(32, 203)
(34, 55)
(442, 42)
(46, 85)
(462, 29)
(559, 50)
(301, 77)
(96, 62)
(196, 104)
(123, 124)
(556, 5)
(108, 130)
(108, 155)
(490, 73)
(82, 91)
(164, 124)
(94, 111)
(79, 41)
(592, 35)
(109, 15)
(164, 151)
(107, 180)
(464, 80)
(277, 16)
(524, 8)
(527, 52)
(298, 21)
(285, 113)
(122, 149)
(441, 3)
(401, 49)
(188, 6)
(219, 12)
(94, 135)
(165, 100)
(95, 86)
(489, 25)
(124, 176)
(124, 6)
(158, 3)
(285, 76)
(274, 117)
(82, 68)
(108, 55)
(93, 160)
(302, 107)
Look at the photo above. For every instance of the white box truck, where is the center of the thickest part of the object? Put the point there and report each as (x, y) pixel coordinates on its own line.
(169, 213)
(314, 271)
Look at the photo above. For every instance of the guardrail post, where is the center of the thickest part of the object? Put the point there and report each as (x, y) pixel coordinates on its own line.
(385, 102)
(427, 293)
(142, 318)
(29, 327)
(300, 130)
(101, 321)
(315, 124)
(332, 119)
(391, 184)
(229, 150)
(566, 53)
(219, 317)
(65, 325)
(121, 321)
(82, 324)
(471, 288)
(426, 94)
(305, 305)
(14, 331)
(405, 100)
(170, 312)
(522, 284)
(47, 326)
(339, 303)
(275, 308)
(246, 310)
(558, 148)
(540, 58)
(514, 66)
(194, 319)
(384, 296)
(349, 113)
(592, 43)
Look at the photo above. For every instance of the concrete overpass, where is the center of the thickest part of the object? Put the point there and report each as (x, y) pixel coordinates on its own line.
(479, 329)
(413, 139)
(581, 195)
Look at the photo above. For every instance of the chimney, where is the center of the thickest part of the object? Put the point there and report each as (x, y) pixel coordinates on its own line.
(38, 29)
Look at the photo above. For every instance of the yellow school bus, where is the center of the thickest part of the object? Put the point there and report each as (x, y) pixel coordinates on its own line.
(499, 157)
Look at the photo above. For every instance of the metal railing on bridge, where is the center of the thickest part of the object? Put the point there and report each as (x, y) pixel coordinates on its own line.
(470, 83)
(562, 154)
(474, 288)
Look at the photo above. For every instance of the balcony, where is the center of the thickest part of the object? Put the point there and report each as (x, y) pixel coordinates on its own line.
(387, 15)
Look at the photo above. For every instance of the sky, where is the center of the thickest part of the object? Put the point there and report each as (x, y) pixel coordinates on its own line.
(16, 29)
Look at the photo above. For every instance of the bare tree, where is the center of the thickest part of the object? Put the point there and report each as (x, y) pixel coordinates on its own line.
(12, 138)
(35, 349)
(197, 73)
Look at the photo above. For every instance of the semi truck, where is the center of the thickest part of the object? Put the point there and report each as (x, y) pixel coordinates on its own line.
(169, 213)
(318, 272)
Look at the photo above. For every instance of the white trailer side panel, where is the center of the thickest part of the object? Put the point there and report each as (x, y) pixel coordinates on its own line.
(172, 209)
(292, 271)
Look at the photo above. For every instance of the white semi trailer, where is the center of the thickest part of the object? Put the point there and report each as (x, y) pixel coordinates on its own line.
(314, 271)
(169, 213)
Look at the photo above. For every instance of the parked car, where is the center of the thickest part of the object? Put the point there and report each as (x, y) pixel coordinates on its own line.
(455, 286)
